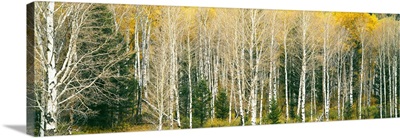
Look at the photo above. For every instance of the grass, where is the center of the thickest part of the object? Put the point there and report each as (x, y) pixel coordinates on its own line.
(124, 128)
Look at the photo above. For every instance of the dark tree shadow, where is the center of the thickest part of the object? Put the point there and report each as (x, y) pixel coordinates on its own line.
(18, 128)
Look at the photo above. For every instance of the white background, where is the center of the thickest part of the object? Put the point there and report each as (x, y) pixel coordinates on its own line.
(13, 70)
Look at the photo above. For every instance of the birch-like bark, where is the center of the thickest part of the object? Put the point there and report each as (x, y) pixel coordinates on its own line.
(339, 80)
(240, 84)
(254, 79)
(242, 80)
(390, 87)
(324, 71)
(345, 96)
(51, 107)
(371, 83)
(361, 78)
(384, 87)
(261, 98)
(239, 52)
(160, 116)
(362, 34)
(231, 93)
(271, 81)
(272, 66)
(172, 41)
(380, 84)
(328, 94)
(137, 69)
(239, 92)
(351, 77)
(304, 28)
(215, 78)
(137, 49)
(189, 57)
(286, 71)
(242, 43)
(395, 85)
(160, 85)
(303, 87)
(145, 51)
(253, 15)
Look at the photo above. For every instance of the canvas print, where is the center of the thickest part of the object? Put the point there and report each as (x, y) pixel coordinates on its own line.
(102, 68)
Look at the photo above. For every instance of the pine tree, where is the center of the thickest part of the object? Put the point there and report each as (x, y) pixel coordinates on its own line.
(201, 103)
(222, 105)
(348, 111)
(275, 113)
(113, 108)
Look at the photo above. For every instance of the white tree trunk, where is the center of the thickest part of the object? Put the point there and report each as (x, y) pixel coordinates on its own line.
(351, 77)
(254, 68)
(240, 103)
(371, 83)
(325, 75)
(215, 78)
(345, 96)
(160, 122)
(137, 49)
(189, 56)
(261, 99)
(390, 89)
(324, 91)
(253, 93)
(231, 93)
(303, 88)
(239, 72)
(361, 79)
(272, 83)
(171, 71)
(51, 107)
(384, 87)
(339, 80)
(270, 92)
(160, 101)
(252, 72)
(242, 83)
(171, 110)
(395, 85)
(313, 93)
(137, 67)
(380, 85)
(273, 47)
(304, 28)
(271, 72)
(286, 79)
(275, 82)
(328, 94)
(145, 63)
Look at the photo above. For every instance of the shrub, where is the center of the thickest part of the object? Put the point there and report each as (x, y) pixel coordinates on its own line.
(216, 123)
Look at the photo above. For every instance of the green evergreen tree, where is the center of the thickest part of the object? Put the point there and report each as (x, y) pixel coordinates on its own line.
(114, 107)
(201, 103)
(222, 105)
(184, 91)
(275, 113)
(348, 111)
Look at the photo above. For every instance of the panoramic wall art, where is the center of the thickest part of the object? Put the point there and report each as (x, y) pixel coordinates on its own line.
(102, 68)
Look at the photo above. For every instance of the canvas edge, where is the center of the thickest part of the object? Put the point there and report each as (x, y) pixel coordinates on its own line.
(30, 74)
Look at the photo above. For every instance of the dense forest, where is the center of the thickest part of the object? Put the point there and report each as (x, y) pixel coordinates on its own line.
(108, 68)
